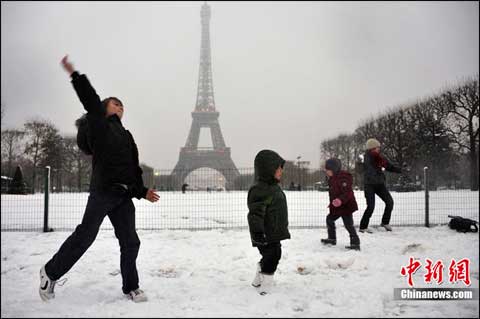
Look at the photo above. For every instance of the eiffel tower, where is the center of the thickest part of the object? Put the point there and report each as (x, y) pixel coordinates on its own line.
(205, 114)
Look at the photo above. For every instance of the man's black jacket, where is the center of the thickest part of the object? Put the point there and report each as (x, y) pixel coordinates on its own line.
(115, 164)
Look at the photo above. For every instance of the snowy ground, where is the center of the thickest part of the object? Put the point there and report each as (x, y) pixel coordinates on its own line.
(208, 274)
(175, 210)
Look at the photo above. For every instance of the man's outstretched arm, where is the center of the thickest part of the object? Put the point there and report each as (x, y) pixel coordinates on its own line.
(86, 93)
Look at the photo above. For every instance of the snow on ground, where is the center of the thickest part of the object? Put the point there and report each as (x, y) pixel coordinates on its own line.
(175, 210)
(208, 274)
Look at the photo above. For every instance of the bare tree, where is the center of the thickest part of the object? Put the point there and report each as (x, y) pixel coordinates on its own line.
(77, 163)
(423, 133)
(341, 147)
(53, 155)
(463, 125)
(431, 145)
(366, 130)
(10, 147)
(36, 132)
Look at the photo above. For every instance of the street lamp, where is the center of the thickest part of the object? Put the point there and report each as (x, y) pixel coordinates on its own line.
(298, 164)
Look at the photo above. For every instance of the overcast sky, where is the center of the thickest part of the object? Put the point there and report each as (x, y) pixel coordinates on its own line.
(286, 74)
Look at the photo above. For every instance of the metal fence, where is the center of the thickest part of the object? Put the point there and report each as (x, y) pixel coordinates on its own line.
(219, 200)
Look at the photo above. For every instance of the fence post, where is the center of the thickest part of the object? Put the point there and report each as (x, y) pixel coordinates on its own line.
(427, 197)
(46, 197)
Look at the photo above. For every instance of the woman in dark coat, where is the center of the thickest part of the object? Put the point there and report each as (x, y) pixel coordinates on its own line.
(375, 184)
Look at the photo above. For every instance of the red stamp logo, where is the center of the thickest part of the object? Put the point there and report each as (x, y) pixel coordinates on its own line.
(457, 271)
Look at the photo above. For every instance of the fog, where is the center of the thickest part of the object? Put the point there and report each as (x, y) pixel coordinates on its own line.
(286, 75)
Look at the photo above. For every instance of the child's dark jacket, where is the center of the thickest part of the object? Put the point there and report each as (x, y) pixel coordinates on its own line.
(267, 204)
(340, 186)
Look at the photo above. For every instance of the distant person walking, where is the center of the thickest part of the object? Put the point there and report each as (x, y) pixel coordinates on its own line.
(116, 178)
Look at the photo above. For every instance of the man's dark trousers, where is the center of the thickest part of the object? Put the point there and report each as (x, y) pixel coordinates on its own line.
(121, 212)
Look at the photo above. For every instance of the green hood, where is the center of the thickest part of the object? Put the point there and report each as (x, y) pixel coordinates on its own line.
(266, 163)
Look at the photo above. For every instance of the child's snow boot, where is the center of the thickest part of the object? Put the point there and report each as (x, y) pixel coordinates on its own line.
(353, 247)
(137, 295)
(266, 285)
(387, 227)
(329, 241)
(366, 230)
(257, 281)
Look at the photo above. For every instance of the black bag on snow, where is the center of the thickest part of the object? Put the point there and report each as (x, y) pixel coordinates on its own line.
(461, 224)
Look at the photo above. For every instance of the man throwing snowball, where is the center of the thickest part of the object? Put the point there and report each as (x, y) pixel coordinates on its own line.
(116, 178)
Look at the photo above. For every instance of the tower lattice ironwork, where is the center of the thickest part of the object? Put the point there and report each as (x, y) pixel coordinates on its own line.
(205, 115)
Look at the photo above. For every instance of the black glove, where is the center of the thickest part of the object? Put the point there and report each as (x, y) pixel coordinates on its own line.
(259, 239)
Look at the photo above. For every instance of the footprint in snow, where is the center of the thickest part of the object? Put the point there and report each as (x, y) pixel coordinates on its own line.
(337, 263)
